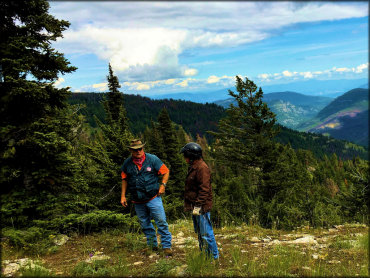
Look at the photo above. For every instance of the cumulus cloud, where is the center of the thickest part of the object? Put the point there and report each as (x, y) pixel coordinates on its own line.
(361, 68)
(288, 75)
(183, 83)
(59, 82)
(190, 72)
(169, 81)
(145, 46)
(213, 79)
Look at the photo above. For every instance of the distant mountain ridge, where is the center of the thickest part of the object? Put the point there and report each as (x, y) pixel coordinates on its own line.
(291, 108)
(328, 88)
(346, 117)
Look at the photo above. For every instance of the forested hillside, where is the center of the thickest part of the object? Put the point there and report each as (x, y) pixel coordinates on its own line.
(346, 117)
(198, 118)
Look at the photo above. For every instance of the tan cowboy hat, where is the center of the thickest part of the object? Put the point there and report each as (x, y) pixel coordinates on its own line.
(136, 144)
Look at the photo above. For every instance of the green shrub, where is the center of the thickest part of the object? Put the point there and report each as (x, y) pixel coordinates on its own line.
(33, 239)
(96, 268)
(95, 221)
(34, 271)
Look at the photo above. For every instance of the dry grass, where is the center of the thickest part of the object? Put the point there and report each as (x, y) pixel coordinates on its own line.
(338, 252)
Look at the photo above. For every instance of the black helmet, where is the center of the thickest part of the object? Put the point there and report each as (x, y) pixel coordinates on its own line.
(192, 150)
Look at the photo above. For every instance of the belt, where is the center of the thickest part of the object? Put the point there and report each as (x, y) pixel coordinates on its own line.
(143, 202)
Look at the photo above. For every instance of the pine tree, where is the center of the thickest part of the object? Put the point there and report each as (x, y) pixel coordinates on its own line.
(246, 133)
(112, 148)
(114, 106)
(269, 177)
(153, 140)
(173, 160)
(39, 169)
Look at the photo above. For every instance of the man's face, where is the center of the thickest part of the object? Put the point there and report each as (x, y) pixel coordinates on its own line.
(137, 153)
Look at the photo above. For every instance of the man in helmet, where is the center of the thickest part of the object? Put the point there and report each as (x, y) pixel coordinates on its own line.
(140, 174)
(198, 197)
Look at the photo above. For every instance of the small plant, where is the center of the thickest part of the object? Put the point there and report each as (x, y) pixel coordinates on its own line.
(341, 244)
(162, 267)
(134, 242)
(121, 268)
(200, 264)
(236, 257)
(96, 268)
(34, 270)
(363, 242)
(53, 250)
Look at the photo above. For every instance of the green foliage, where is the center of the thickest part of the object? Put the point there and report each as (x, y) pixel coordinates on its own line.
(162, 267)
(352, 98)
(94, 221)
(96, 268)
(34, 270)
(198, 118)
(320, 145)
(199, 264)
(25, 238)
(134, 242)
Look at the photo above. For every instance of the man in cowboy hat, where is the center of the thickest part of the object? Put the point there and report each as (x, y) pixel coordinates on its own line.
(140, 174)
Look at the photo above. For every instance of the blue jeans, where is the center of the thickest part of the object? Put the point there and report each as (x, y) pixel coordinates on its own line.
(203, 227)
(154, 209)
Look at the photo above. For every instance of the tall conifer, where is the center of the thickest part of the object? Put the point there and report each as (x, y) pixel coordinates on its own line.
(37, 125)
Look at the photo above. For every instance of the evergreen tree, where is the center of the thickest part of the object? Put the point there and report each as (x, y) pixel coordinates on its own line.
(38, 128)
(114, 106)
(268, 177)
(174, 161)
(246, 133)
(153, 140)
(112, 148)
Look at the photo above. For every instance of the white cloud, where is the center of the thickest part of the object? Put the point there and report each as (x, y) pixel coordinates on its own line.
(287, 73)
(59, 82)
(101, 87)
(264, 76)
(183, 83)
(190, 72)
(329, 73)
(213, 79)
(307, 74)
(361, 68)
(169, 81)
(145, 45)
(141, 87)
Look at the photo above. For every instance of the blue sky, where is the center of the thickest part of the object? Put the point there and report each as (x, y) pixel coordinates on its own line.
(165, 47)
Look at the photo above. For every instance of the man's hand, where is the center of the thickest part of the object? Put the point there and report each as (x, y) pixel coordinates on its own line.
(196, 210)
(124, 201)
(162, 189)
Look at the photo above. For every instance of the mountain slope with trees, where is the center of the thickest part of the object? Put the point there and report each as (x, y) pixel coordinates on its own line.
(142, 111)
(291, 108)
(345, 118)
(196, 118)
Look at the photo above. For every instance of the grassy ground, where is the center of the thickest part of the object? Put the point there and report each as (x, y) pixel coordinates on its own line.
(244, 251)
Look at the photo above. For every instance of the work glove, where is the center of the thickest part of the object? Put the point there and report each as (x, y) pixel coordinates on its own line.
(196, 210)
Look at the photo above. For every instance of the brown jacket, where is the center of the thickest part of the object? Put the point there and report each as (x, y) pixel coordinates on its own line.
(198, 189)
